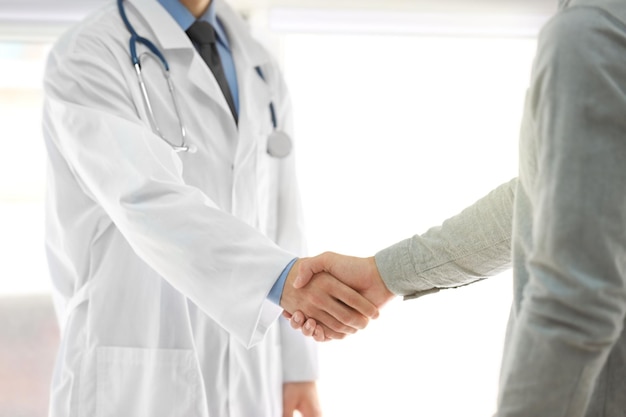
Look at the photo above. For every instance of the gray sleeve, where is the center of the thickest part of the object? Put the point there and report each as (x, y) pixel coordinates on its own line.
(468, 247)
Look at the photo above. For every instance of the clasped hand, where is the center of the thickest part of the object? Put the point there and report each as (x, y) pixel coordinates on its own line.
(330, 296)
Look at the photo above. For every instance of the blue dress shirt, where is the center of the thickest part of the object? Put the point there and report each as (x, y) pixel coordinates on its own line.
(185, 19)
(277, 290)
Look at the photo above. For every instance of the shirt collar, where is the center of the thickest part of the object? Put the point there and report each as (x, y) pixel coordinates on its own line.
(211, 16)
(185, 19)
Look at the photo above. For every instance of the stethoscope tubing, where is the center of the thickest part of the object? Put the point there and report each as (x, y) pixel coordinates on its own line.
(279, 143)
(135, 38)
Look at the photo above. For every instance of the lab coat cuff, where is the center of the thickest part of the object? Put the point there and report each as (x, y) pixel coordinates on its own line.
(268, 316)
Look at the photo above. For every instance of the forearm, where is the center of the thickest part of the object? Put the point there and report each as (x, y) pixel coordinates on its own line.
(470, 246)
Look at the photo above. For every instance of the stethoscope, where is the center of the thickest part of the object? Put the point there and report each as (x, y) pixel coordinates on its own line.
(278, 143)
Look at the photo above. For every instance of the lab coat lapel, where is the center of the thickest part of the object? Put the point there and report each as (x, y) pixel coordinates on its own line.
(201, 76)
(254, 110)
(254, 102)
(175, 43)
(165, 32)
(254, 99)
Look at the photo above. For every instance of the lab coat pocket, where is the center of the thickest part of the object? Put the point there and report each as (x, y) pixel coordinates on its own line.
(134, 382)
(268, 170)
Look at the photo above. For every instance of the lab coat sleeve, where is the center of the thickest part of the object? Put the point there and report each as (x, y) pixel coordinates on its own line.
(299, 353)
(208, 255)
(574, 304)
(468, 247)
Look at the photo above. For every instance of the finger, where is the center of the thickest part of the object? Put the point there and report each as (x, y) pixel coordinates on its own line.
(343, 298)
(319, 335)
(329, 310)
(307, 409)
(356, 302)
(346, 317)
(309, 327)
(297, 320)
(287, 315)
(333, 325)
(289, 403)
(288, 410)
(328, 334)
(312, 329)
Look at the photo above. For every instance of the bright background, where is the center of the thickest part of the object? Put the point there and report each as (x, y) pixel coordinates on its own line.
(397, 129)
(395, 134)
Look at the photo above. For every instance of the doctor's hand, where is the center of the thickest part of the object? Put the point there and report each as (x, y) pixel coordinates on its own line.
(361, 274)
(338, 309)
(301, 397)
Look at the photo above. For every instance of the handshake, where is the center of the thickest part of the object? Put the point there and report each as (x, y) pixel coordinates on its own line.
(330, 296)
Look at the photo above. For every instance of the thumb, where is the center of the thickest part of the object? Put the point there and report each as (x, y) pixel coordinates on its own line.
(302, 279)
(310, 410)
(307, 268)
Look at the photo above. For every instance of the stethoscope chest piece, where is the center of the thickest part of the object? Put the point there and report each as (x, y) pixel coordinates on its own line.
(279, 144)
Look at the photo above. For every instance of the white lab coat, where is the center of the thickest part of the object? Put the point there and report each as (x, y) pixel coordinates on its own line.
(162, 262)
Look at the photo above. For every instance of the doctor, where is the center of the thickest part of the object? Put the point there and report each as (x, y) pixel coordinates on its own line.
(172, 220)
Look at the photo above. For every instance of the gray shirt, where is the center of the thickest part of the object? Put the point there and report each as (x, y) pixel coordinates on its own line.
(561, 226)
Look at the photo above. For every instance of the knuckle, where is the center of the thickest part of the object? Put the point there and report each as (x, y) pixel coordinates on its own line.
(352, 319)
(342, 328)
(316, 299)
(324, 281)
(372, 312)
(339, 336)
(359, 322)
(337, 327)
(344, 317)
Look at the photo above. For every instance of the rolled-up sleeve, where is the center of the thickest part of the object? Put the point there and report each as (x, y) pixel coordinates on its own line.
(468, 247)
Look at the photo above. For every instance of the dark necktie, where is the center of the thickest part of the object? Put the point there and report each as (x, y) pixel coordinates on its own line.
(203, 34)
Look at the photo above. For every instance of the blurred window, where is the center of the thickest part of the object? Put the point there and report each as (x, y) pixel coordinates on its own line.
(28, 329)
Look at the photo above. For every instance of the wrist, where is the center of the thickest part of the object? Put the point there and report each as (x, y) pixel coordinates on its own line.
(378, 279)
